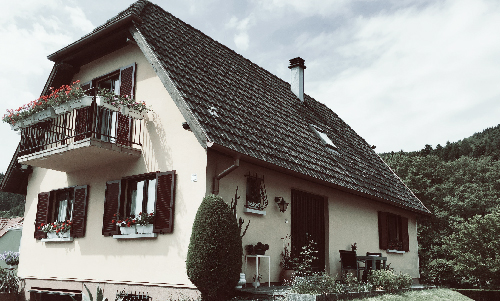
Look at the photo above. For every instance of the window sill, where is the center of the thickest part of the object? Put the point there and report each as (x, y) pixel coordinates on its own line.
(58, 239)
(396, 251)
(255, 211)
(135, 236)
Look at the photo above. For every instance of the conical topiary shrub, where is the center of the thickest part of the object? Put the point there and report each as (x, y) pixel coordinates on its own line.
(214, 256)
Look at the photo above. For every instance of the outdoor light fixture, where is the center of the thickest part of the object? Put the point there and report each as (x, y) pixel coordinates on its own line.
(281, 203)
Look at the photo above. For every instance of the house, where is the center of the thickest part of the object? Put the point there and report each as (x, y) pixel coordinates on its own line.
(10, 235)
(218, 124)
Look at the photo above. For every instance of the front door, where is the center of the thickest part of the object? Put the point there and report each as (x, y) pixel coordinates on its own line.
(308, 223)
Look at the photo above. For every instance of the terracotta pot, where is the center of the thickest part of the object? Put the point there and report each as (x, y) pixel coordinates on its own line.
(286, 276)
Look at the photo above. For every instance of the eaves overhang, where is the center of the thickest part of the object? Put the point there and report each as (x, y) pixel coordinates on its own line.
(104, 39)
(232, 153)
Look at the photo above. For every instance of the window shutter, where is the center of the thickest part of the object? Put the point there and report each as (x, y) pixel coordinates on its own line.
(127, 80)
(165, 199)
(111, 206)
(127, 83)
(123, 133)
(80, 211)
(404, 234)
(382, 230)
(42, 212)
(82, 123)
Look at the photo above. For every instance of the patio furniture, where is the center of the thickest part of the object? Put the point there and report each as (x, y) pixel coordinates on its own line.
(257, 257)
(372, 262)
(348, 261)
(369, 263)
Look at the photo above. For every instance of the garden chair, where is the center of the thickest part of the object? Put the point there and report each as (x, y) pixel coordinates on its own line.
(348, 262)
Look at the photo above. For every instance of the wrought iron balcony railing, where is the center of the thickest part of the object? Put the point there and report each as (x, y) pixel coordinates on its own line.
(77, 125)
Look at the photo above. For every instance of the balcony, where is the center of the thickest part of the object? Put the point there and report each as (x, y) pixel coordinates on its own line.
(82, 138)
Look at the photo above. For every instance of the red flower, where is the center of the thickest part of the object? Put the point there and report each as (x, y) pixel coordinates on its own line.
(113, 221)
(129, 224)
(38, 227)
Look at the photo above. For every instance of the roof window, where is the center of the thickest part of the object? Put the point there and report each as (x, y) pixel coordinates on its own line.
(323, 137)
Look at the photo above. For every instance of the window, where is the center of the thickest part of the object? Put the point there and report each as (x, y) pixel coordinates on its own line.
(256, 197)
(323, 136)
(110, 124)
(151, 192)
(393, 232)
(61, 205)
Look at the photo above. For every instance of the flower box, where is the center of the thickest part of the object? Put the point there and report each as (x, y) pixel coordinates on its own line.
(128, 230)
(28, 121)
(51, 235)
(80, 102)
(63, 234)
(133, 113)
(46, 114)
(144, 229)
(18, 125)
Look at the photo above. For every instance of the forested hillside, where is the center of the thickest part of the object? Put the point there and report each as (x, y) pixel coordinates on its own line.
(460, 183)
(11, 205)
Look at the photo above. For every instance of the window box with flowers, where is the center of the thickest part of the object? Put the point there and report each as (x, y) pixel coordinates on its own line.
(57, 231)
(61, 214)
(70, 97)
(148, 199)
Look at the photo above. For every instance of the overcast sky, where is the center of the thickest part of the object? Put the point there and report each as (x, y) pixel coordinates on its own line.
(401, 73)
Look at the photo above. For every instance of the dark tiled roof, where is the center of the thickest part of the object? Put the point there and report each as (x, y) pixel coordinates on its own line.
(245, 108)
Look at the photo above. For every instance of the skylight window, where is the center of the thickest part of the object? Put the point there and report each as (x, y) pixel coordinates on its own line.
(323, 137)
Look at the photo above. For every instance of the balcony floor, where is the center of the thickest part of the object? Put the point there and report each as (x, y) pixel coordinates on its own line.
(84, 154)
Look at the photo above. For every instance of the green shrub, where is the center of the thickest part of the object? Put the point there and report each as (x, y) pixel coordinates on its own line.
(320, 283)
(388, 280)
(214, 255)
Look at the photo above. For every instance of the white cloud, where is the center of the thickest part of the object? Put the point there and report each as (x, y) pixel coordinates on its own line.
(419, 69)
(29, 31)
(309, 7)
(241, 37)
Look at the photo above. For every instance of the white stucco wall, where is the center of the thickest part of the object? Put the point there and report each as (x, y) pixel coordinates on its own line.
(166, 146)
(351, 218)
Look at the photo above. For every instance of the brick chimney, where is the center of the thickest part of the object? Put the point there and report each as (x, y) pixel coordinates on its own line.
(297, 83)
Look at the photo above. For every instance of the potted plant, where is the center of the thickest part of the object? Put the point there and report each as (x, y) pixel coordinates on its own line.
(10, 285)
(127, 226)
(50, 229)
(10, 258)
(144, 222)
(287, 263)
(354, 247)
(63, 229)
(256, 281)
(260, 248)
(125, 104)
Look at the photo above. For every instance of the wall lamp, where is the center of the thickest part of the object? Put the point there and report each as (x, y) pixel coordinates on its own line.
(281, 203)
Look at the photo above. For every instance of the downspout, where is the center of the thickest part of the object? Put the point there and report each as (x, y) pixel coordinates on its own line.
(225, 173)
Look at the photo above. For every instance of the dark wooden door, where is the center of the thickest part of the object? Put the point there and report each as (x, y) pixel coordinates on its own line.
(308, 223)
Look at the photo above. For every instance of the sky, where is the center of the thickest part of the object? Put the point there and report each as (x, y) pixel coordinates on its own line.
(401, 73)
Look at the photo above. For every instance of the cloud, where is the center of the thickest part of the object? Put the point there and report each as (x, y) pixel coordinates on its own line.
(241, 37)
(29, 31)
(417, 67)
(310, 7)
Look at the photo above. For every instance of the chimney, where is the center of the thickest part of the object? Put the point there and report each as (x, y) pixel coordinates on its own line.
(297, 66)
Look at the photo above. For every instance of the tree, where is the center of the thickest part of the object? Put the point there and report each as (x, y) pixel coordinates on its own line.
(475, 248)
(214, 255)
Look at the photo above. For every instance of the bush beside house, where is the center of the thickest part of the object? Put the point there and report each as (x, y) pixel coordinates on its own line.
(214, 255)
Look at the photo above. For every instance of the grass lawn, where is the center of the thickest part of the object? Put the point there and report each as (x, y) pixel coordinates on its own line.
(427, 295)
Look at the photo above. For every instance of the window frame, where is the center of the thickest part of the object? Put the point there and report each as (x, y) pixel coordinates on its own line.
(393, 232)
(47, 210)
(117, 201)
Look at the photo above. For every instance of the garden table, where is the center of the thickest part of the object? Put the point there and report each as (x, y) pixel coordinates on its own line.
(257, 257)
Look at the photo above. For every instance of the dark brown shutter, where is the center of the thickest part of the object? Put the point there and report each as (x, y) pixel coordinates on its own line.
(123, 133)
(42, 213)
(165, 199)
(127, 80)
(82, 123)
(383, 231)
(80, 211)
(404, 234)
(111, 207)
